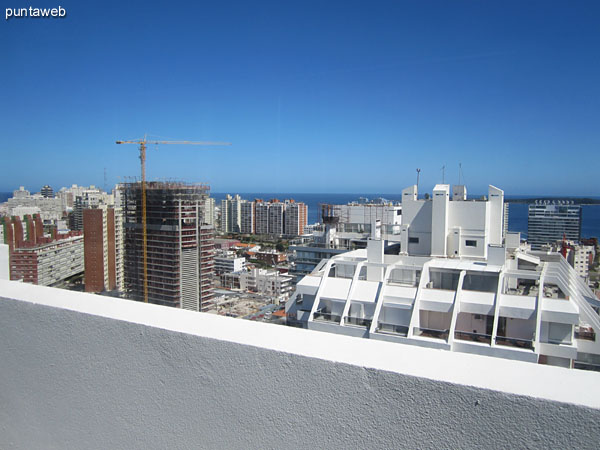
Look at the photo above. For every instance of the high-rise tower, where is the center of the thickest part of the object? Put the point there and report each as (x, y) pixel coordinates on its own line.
(180, 261)
(550, 221)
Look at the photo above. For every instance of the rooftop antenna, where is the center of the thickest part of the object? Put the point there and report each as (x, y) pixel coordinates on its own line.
(105, 180)
(418, 172)
(459, 172)
(444, 174)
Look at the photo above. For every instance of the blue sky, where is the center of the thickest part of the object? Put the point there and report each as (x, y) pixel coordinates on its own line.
(314, 96)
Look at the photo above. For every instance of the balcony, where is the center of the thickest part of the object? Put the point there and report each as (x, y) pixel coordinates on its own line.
(358, 321)
(473, 337)
(86, 371)
(585, 333)
(431, 333)
(392, 328)
(514, 342)
(326, 316)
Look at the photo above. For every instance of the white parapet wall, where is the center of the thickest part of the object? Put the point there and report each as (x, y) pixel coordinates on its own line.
(84, 371)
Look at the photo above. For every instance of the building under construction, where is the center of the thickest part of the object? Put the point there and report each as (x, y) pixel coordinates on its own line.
(180, 245)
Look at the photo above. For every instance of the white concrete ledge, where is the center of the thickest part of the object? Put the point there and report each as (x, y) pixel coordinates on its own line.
(282, 373)
(513, 377)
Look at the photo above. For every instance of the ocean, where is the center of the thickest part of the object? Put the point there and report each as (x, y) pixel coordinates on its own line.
(517, 217)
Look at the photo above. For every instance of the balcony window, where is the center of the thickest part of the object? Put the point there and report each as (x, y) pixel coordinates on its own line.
(474, 327)
(329, 311)
(443, 279)
(408, 277)
(585, 333)
(515, 332)
(344, 270)
(433, 324)
(481, 282)
(360, 314)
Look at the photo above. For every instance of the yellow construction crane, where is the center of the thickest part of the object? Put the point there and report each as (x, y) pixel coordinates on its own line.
(143, 143)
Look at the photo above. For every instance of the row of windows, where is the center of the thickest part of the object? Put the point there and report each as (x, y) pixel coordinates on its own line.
(468, 242)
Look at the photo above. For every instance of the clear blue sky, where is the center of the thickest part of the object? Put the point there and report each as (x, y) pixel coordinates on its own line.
(315, 96)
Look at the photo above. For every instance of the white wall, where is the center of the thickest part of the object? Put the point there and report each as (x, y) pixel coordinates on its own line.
(4, 262)
(416, 218)
(439, 220)
(85, 371)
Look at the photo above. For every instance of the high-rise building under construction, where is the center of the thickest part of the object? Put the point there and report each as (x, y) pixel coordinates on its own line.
(180, 244)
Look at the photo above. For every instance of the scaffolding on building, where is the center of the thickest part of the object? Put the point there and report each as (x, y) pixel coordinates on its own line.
(179, 244)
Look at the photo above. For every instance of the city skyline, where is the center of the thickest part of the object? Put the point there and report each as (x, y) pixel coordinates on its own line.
(349, 98)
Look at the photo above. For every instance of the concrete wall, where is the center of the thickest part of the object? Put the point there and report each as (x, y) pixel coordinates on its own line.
(4, 262)
(84, 371)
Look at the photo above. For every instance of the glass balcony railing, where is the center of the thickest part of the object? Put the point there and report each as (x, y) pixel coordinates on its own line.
(586, 366)
(557, 341)
(358, 321)
(392, 328)
(431, 333)
(473, 337)
(514, 342)
(326, 316)
(586, 334)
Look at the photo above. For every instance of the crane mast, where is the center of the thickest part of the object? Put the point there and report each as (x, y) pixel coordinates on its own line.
(142, 145)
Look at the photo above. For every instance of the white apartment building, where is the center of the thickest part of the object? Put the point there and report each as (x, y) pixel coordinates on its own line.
(457, 228)
(455, 284)
(49, 263)
(267, 282)
(231, 214)
(119, 248)
(583, 255)
(23, 203)
(209, 211)
(228, 264)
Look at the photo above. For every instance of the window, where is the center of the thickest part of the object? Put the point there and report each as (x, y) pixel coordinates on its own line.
(413, 240)
(470, 243)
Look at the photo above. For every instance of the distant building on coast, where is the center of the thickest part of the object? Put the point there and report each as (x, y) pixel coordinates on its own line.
(549, 221)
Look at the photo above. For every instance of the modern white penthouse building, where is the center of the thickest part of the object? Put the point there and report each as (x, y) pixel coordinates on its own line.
(455, 284)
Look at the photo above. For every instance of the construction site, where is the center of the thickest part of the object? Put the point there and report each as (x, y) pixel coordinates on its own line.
(168, 258)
